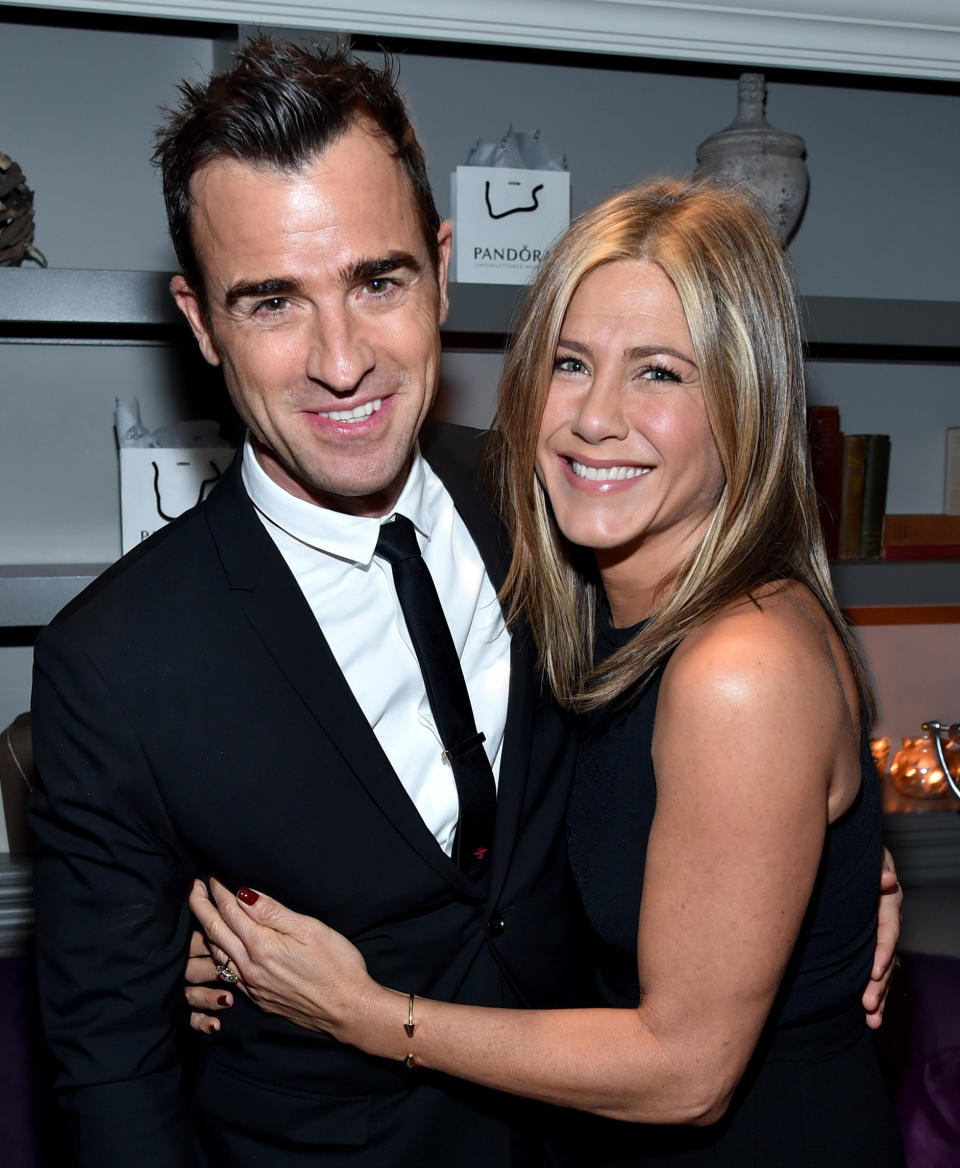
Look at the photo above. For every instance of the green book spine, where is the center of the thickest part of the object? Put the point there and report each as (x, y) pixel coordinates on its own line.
(875, 476)
(851, 494)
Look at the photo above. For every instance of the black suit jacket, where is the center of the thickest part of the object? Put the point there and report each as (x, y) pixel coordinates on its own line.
(190, 718)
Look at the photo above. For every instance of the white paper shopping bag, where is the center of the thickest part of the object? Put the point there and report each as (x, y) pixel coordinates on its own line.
(504, 220)
(158, 484)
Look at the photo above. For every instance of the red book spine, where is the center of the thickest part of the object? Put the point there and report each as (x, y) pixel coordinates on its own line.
(922, 529)
(826, 463)
(922, 551)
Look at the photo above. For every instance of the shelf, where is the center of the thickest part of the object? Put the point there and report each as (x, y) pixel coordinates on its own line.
(874, 323)
(925, 846)
(50, 303)
(878, 582)
(32, 594)
(923, 836)
(931, 922)
(16, 903)
(487, 310)
(846, 35)
(37, 303)
(50, 297)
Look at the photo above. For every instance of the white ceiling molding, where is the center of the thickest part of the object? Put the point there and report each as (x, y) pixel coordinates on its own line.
(919, 39)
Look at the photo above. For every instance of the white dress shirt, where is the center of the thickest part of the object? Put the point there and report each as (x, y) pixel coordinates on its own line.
(353, 598)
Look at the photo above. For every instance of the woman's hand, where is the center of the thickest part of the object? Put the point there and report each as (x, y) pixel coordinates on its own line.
(288, 964)
(888, 933)
(205, 1000)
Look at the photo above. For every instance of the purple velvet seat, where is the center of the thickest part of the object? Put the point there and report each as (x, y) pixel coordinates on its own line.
(919, 1047)
(31, 1133)
(18, 1064)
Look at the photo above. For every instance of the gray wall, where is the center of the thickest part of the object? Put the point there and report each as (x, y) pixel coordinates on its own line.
(79, 112)
(80, 108)
(885, 168)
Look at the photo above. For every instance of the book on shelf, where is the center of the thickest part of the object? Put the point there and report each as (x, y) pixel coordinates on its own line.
(922, 551)
(875, 476)
(920, 531)
(826, 464)
(951, 484)
(851, 494)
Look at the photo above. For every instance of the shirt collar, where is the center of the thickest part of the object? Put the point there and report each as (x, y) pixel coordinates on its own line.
(349, 537)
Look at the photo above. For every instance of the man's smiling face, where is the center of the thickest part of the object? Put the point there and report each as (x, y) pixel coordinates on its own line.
(324, 308)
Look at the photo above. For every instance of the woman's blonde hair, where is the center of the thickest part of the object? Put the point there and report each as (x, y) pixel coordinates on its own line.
(737, 291)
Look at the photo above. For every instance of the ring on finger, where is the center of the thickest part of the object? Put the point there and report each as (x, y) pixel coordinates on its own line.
(225, 973)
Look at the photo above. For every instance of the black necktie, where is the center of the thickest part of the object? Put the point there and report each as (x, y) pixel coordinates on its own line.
(446, 692)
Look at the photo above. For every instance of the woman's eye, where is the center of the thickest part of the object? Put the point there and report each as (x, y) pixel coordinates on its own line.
(659, 373)
(568, 365)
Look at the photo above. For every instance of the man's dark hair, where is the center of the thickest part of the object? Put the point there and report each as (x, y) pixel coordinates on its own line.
(280, 106)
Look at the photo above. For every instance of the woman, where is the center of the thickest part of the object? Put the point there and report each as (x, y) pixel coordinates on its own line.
(724, 828)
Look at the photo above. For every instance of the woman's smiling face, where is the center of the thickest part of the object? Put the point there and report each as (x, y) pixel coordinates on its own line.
(625, 450)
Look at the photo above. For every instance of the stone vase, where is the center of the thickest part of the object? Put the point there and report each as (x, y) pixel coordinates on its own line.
(769, 162)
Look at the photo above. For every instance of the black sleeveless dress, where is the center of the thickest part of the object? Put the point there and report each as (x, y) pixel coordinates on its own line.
(812, 1096)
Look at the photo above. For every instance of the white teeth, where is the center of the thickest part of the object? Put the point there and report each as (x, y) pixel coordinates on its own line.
(354, 415)
(602, 474)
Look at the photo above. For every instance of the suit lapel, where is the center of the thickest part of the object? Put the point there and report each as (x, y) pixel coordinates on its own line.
(264, 589)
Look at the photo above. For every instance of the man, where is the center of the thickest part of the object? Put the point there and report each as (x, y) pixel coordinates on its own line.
(239, 696)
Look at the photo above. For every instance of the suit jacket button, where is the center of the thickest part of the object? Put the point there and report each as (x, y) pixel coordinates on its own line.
(495, 926)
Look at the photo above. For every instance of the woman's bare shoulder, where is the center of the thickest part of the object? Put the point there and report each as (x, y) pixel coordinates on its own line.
(775, 645)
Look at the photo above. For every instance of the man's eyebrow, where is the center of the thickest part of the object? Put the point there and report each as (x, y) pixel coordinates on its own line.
(369, 269)
(361, 270)
(279, 286)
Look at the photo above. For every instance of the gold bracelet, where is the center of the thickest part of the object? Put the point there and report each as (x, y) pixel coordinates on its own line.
(410, 1061)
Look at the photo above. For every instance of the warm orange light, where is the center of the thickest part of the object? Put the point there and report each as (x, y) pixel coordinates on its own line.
(915, 771)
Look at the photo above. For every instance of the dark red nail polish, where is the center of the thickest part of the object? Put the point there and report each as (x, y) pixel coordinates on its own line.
(248, 896)
(223, 1000)
(212, 1028)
